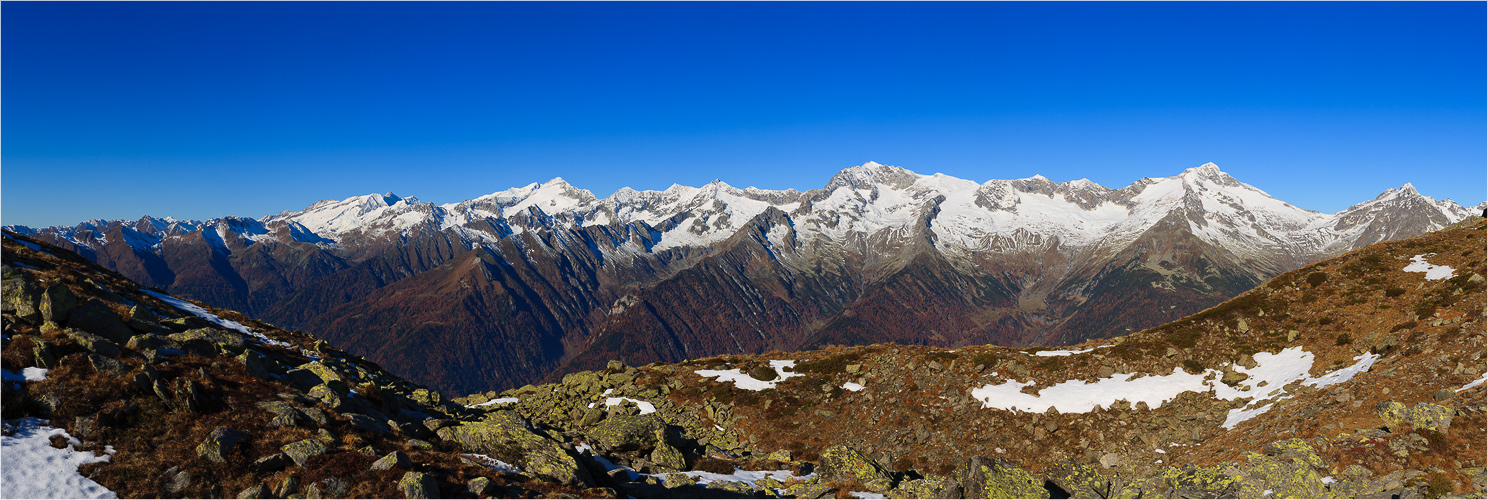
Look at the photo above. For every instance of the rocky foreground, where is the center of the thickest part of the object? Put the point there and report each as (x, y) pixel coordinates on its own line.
(1349, 378)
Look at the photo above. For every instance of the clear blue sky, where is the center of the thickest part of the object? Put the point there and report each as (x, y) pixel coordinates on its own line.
(198, 110)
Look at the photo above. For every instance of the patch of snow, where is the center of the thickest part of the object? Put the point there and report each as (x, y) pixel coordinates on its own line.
(34, 469)
(1240, 415)
(1159, 450)
(1064, 353)
(1474, 383)
(1433, 272)
(747, 382)
(225, 323)
(1266, 493)
(1076, 396)
(741, 476)
(494, 464)
(866, 494)
(1342, 375)
(645, 406)
(29, 374)
(497, 401)
(1328, 480)
(852, 386)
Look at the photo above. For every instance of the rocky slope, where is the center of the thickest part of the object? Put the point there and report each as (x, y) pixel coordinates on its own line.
(1359, 376)
(529, 283)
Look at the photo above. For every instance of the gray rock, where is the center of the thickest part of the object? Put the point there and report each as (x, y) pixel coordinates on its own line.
(271, 463)
(303, 450)
(931, 486)
(503, 432)
(255, 363)
(367, 423)
(42, 353)
(394, 459)
(255, 491)
(334, 487)
(1110, 460)
(93, 343)
(107, 365)
(96, 317)
(418, 485)
(481, 487)
(176, 481)
(220, 444)
(287, 487)
(56, 304)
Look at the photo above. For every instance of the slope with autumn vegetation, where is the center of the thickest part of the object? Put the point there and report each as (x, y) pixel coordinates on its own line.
(1358, 376)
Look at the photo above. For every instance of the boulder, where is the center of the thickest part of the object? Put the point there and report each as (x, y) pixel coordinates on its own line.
(998, 478)
(931, 486)
(1202, 482)
(843, 463)
(254, 492)
(807, 490)
(176, 481)
(505, 436)
(481, 487)
(1421, 416)
(56, 304)
(96, 317)
(367, 423)
(271, 463)
(106, 365)
(1285, 477)
(42, 353)
(626, 434)
(303, 450)
(219, 444)
(255, 363)
(394, 459)
(142, 320)
(93, 343)
(152, 341)
(418, 485)
(1079, 480)
(20, 297)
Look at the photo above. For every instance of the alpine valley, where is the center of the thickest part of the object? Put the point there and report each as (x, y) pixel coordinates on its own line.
(525, 285)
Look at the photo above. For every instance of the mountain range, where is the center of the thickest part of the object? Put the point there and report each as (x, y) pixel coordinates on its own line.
(529, 283)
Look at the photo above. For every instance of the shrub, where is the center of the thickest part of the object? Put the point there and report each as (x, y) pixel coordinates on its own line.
(1193, 366)
(829, 365)
(1317, 278)
(1394, 291)
(1343, 339)
(1325, 321)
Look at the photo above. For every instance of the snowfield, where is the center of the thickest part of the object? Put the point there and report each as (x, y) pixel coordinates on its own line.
(1433, 272)
(34, 469)
(1265, 384)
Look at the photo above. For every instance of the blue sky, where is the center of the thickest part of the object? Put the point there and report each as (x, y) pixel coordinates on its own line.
(198, 110)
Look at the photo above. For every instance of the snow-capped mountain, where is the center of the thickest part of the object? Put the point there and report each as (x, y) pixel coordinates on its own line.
(879, 253)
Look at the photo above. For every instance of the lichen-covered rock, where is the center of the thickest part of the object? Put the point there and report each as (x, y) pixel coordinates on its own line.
(1421, 416)
(481, 487)
(20, 297)
(42, 353)
(626, 434)
(1079, 480)
(418, 485)
(504, 436)
(678, 480)
(931, 486)
(807, 490)
(998, 478)
(152, 341)
(668, 457)
(220, 444)
(1285, 477)
(1202, 482)
(1296, 448)
(303, 450)
(394, 459)
(56, 304)
(142, 320)
(93, 343)
(843, 463)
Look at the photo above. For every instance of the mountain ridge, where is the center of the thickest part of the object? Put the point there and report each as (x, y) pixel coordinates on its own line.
(1016, 262)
